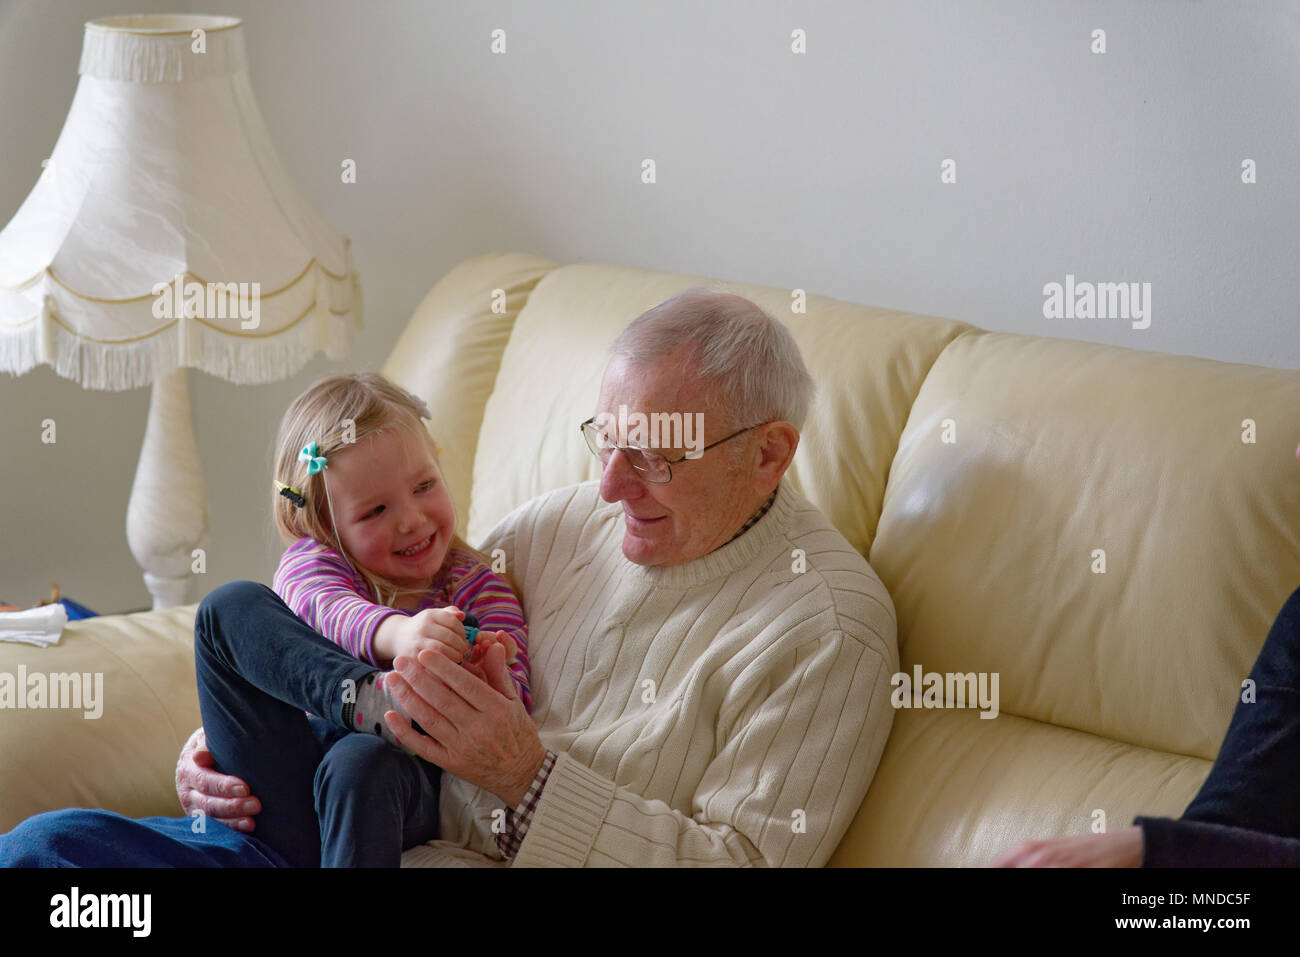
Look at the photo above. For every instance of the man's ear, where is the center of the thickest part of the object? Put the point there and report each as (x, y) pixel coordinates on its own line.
(777, 444)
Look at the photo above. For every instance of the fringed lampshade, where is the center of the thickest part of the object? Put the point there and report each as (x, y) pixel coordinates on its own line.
(165, 234)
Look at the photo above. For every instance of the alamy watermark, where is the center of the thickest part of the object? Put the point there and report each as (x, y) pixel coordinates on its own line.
(75, 909)
(1098, 300)
(58, 690)
(656, 430)
(930, 689)
(211, 300)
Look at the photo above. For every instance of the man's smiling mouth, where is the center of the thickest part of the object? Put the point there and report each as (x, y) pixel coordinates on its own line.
(634, 520)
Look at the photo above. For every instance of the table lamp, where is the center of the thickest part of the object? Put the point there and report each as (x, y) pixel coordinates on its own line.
(165, 234)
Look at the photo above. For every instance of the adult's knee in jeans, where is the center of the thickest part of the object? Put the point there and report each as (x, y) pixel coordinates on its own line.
(49, 839)
(24, 846)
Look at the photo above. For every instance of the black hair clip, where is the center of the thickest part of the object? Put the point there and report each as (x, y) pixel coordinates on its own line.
(292, 494)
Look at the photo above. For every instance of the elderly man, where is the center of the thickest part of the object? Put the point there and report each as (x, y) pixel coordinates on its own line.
(711, 658)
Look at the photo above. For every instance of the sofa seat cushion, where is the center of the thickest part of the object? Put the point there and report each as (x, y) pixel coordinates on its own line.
(122, 760)
(955, 789)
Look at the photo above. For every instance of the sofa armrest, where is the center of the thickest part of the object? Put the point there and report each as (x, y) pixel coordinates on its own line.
(135, 705)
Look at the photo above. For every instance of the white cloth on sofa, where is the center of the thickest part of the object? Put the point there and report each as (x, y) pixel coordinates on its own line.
(36, 626)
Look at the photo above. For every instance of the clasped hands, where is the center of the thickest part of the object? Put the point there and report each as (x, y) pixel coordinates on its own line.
(477, 727)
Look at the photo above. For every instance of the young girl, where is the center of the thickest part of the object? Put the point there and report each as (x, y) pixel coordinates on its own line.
(376, 568)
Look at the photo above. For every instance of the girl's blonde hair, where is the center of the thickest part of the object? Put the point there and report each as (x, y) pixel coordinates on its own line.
(336, 413)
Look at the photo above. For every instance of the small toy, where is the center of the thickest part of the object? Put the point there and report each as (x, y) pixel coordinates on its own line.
(471, 627)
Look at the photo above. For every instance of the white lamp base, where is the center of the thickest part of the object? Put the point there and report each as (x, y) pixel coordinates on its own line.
(167, 516)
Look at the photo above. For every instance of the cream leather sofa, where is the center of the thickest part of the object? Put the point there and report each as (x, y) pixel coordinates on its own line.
(1115, 687)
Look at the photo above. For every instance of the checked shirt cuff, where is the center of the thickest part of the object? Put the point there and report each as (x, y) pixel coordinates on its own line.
(518, 820)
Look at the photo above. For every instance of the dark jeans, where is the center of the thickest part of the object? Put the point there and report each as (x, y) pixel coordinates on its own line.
(1248, 810)
(329, 796)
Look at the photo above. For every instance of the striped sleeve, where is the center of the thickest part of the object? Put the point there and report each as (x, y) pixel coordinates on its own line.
(320, 587)
(487, 595)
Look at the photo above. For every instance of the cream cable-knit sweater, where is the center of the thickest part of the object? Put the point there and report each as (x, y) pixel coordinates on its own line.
(729, 711)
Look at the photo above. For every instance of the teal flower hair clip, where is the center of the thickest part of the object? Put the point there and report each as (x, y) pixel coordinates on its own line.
(311, 455)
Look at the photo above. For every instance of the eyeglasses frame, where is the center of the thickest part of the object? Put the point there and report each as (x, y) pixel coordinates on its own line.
(668, 462)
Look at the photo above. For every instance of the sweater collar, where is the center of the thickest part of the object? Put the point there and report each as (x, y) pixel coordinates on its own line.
(753, 519)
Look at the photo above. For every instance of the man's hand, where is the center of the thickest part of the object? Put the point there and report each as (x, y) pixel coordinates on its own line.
(222, 797)
(477, 729)
(1121, 848)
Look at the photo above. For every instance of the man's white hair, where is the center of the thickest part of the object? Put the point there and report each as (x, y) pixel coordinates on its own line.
(749, 359)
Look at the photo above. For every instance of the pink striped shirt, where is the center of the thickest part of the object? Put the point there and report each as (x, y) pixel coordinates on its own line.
(320, 587)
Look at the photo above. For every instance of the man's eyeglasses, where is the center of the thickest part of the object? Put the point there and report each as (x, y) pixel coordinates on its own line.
(652, 466)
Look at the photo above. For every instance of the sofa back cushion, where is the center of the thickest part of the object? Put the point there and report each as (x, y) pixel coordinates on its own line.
(1064, 455)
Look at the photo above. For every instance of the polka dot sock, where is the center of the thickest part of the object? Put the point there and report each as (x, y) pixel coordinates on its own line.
(367, 714)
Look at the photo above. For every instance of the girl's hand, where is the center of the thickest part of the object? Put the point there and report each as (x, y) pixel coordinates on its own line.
(435, 629)
(485, 640)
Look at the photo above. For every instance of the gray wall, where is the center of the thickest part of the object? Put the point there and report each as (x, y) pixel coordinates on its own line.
(818, 171)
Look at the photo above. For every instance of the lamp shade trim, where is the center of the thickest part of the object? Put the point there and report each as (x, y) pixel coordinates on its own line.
(243, 357)
(186, 276)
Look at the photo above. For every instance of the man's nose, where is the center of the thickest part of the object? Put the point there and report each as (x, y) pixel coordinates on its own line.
(619, 481)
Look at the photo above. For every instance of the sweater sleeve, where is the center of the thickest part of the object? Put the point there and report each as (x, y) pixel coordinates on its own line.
(319, 586)
(1169, 843)
(781, 791)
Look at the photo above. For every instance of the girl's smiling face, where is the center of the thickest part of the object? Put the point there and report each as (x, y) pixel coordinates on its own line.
(392, 509)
